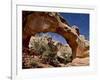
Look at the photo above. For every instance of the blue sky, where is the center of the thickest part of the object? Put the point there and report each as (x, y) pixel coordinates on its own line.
(80, 20)
(57, 37)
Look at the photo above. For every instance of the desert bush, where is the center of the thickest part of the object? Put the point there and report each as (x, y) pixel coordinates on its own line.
(48, 51)
(34, 64)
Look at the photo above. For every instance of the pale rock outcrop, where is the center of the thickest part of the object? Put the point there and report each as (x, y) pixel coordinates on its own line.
(65, 53)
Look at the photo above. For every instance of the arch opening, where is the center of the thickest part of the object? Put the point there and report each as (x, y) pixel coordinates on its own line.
(49, 48)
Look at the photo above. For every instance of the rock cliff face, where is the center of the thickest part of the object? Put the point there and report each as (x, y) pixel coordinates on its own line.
(83, 47)
(35, 22)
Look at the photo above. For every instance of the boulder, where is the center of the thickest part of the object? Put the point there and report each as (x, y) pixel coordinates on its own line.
(80, 61)
(64, 54)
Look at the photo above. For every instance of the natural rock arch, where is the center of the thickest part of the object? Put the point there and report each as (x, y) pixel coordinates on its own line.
(34, 22)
